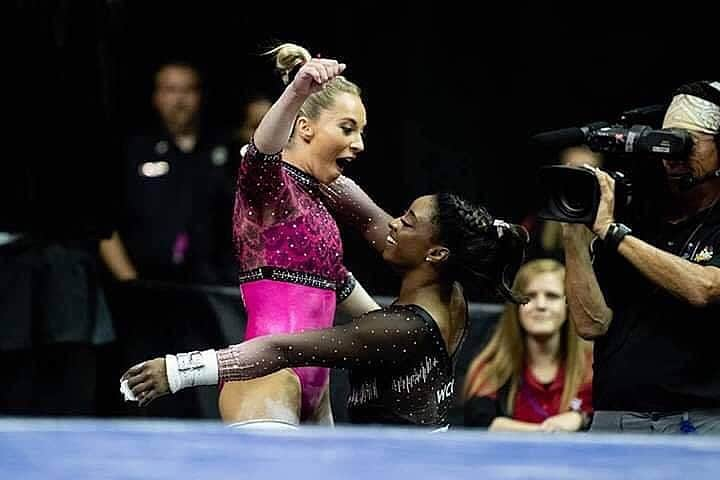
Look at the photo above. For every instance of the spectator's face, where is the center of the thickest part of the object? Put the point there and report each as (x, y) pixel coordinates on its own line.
(546, 312)
(254, 113)
(703, 159)
(335, 137)
(579, 156)
(177, 96)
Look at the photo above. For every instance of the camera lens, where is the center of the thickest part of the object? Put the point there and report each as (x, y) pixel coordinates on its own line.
(575, 196)
(571, 194)
(573, 199)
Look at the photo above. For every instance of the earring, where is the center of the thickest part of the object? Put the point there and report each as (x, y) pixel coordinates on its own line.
(427, 259)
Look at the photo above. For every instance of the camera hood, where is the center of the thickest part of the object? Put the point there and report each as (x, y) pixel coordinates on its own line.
(570, 194)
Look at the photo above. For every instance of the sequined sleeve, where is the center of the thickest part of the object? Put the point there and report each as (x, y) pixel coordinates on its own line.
(260, 183)
(377, 339)
(351, 205)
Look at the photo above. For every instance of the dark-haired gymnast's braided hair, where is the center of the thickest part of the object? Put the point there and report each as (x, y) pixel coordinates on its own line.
(481, 248)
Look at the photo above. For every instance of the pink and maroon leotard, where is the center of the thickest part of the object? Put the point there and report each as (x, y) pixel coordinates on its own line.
(290, 252)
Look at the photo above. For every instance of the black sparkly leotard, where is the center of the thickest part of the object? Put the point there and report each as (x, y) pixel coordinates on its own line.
(400, 369)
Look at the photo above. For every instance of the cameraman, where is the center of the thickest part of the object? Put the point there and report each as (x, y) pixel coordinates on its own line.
(649, 295)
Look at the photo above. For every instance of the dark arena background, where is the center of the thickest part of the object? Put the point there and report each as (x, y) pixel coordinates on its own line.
(453, 96)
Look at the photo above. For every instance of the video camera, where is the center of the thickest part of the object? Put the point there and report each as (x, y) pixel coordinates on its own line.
(572, 194)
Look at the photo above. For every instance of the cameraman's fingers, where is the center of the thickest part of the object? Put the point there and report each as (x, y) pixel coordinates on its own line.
(606, 181)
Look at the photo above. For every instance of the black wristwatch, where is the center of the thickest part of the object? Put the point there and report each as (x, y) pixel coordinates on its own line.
(614, 235)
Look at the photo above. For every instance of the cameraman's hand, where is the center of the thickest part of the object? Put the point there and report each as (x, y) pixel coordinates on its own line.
(606, 208)
(576, 236)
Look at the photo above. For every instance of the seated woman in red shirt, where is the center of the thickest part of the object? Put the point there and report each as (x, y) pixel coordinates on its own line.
(535, 374)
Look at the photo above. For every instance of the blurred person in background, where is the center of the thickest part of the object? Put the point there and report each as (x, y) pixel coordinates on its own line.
(175, 219)
(253, 112)
(57, 195)
(546, 235)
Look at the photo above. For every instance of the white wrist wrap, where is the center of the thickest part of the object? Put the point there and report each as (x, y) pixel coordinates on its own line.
(191, 369)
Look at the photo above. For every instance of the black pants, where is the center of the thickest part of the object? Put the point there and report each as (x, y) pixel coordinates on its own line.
(58, 379)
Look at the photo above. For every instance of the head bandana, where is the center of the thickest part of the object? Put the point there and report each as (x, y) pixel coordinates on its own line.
(694, 113)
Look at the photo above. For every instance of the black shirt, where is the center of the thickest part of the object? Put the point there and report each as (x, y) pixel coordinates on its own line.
(178, 208)
(660, 353)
